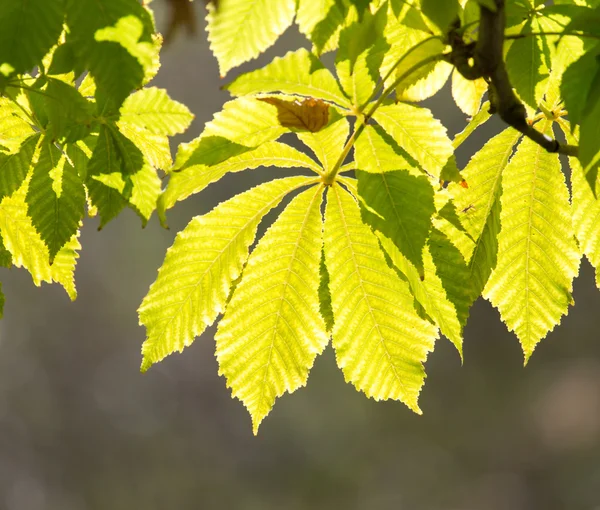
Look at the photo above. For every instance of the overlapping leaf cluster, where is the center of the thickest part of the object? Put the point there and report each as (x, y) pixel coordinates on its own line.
(79, 130)
(378, 261)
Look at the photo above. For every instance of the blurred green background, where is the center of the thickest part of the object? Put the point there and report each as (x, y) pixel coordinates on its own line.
(82, 429)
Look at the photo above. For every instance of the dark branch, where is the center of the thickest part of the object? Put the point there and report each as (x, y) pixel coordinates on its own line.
(485, 60)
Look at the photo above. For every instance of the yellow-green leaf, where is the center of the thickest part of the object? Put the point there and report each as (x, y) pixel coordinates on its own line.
(194, 179)
(29, 251)
(239, 30)
(537, 254)
(272, 329)
(380, 341)
(207, 256)
(419, 133)
(299, 72)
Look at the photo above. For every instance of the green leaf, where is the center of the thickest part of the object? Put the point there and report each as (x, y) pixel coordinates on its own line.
(589, 146)
(194, 179)
(272, 329)
(55, 198)
(29, 251)
(375, 151)
(380, 341)
(527, 66)
(327, 144)
(537, 254)
(478, 207)
(478, 120)
(405, 28)
(361, 53)
(244, 123)
(146, 188)
(443, 14)
(323, 20)
(569, 50)
(577, 82)
(324, 295)
(443, 290)
(14, 129)
(239, 30)
(419, 133)
(585, 208)
(105, 182)
(298, 72)
(28, 29)
(208, 255)
(129, 32)
(14, 167)
(154, 148)
(467, 94)
(400, 206)
(115, 70)
(70, 115)
(153, 110)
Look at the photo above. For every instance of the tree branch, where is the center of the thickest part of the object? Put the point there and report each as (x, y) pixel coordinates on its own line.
(487, 62)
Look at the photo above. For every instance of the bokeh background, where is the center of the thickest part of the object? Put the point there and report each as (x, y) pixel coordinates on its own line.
(82, 429)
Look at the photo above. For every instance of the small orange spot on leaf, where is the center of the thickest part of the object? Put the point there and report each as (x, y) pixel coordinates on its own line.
(464, 184)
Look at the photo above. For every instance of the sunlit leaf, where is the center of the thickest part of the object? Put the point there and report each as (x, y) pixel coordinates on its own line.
(207, 256)
(272, 329)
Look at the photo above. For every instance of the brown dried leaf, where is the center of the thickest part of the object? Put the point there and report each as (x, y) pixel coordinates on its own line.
(311, 114)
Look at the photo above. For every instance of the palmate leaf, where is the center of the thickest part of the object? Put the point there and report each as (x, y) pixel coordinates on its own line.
(272, 329)
(194, 179)
(380, 341)
(55, 198)
(29, 251)
(239, 30)
(28, 29)
(299, 72)
(207, 256)
(419, 133)
(537, 254)
(585, 208)
(478, 207)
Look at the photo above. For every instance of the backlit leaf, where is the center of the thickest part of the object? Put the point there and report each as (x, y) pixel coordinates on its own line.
(419, 133)
(207, 256)
(55, 198)
(380, 341)
(239, 30)
(537, 254)
(272, 329)
(298, 72)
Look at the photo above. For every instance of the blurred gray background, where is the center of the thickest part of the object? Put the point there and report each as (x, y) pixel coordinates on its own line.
(82, 429)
